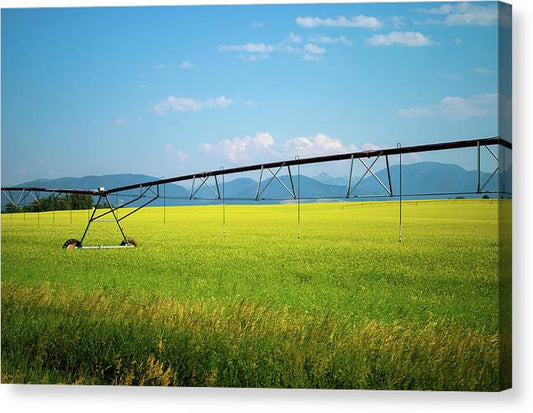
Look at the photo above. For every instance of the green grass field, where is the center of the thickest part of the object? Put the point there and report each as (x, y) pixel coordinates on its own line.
(346, 306)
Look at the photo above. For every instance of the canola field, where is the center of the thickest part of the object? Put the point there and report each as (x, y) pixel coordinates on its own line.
(251, 305)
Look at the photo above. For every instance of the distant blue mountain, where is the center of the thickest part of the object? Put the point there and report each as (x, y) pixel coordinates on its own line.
(417, 178)
(90, 181)
(326, 178)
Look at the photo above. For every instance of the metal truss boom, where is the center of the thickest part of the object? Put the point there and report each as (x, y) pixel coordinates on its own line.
(322, 159)
(288, 163)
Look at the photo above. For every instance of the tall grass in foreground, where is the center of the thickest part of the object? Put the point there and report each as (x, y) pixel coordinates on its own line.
(71, 336)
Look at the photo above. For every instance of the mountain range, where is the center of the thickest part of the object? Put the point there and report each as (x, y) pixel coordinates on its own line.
(417, 178)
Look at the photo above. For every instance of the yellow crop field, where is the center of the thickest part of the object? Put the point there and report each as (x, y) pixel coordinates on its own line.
(248, 304)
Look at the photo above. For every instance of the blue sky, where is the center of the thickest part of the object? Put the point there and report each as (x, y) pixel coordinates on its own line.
(172, 90)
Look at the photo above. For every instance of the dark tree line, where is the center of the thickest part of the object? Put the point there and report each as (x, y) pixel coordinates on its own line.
(62, 203)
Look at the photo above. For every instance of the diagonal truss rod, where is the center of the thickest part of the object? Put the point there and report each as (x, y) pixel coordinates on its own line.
(10, 198)
(22, 197)
(481, 186)
(204, 182)
(24, 194)
(140, 196)
(275, 176)
(374, 175)
(368, 170)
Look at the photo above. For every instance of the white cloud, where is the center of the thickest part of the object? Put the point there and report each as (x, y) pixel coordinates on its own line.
(464, 14)
(254, 57)
(411, 39)
(220, 102)
(175, 154)
(397, 21)
(251, 52)
(442, 9)
(314, 49)
(248, 47)
(179, 104)
(455, 108)
(262, 147)
(294, 38)
(159, 66)
(257, 24)
(458, 40)
(176, 104)
(119, 121)
(472, 14)
(316, 145)
(243, 149)
(186, 65)
(482, 70)
(340, 21)
(329, 40)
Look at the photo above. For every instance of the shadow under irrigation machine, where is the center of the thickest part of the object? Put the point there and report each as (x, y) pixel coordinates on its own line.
(268, 172)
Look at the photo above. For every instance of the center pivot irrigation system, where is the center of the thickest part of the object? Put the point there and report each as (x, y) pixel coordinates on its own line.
(150, 191)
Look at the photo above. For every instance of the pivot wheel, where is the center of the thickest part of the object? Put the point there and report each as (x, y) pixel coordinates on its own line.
(71, 244)
(129, 241)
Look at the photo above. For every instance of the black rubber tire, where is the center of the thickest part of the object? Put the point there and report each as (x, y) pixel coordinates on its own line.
(71, 244)
(131, 242)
